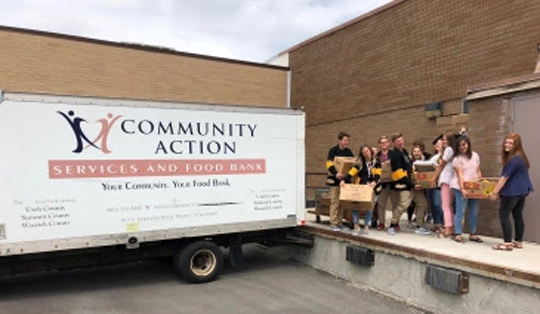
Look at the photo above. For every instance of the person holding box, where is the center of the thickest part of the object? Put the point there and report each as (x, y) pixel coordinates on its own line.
(383, 156)
(434, 195)
(419, 197)
(466, 164)
(401, 193)
(444, 174)
(334, 178)
(369, 172)
(513, 187)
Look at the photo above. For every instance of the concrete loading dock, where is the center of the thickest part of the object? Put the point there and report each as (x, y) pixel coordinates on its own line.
(498, 282)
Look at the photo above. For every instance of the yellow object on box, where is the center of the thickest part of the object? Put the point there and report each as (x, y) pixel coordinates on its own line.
(344, 164)
(422, 179)
(356, 196)
(480, 188)
(386, 175)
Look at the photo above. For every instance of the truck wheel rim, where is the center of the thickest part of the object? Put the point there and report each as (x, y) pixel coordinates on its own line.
(203, 262)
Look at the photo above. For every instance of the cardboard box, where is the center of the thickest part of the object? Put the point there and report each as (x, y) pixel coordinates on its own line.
(423, 166)
(344, 164)
(444, 123)
(422, 179)
(452, 123)
(356, 192)
(480, 188)
(459, 120)
(356, 196)
(452, 107)
(386, 175)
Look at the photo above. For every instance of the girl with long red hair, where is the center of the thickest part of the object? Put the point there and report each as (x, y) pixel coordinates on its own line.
(513, 187)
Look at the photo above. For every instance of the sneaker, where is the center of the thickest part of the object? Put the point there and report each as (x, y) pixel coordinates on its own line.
(365, 232)
(356, 232)
(335, 228)
(391, 231)
(422, 231)
(411, 225)
(380, 227)
(397, 227)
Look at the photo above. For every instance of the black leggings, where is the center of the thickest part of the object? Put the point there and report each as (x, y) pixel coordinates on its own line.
(514, 205)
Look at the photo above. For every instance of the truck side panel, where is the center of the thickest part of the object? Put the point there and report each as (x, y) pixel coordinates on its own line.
(82, 173)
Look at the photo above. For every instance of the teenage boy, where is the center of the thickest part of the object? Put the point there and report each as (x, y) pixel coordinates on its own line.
(401, 188)
(334, 179)
(383, 156)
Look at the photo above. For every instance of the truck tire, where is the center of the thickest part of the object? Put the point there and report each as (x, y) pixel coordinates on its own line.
(199, 262)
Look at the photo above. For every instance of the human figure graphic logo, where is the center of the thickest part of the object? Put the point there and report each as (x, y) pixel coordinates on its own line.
(81, 138)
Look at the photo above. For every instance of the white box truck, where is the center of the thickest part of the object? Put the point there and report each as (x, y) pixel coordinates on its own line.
(90, 181)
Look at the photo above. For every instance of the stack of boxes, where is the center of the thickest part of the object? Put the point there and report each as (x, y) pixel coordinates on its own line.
(452, 123)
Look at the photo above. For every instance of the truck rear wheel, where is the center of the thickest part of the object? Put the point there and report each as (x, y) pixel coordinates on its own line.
(199, 262)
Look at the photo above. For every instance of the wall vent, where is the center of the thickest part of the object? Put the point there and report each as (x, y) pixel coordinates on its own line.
(448, 280)
(360, 256)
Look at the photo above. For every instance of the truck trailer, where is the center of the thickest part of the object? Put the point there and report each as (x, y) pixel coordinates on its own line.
(93, 181)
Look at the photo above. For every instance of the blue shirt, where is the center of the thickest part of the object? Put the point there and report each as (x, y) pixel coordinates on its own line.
(518, 183)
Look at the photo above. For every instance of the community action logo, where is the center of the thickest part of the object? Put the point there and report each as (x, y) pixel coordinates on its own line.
(82, 138)
(188, 138)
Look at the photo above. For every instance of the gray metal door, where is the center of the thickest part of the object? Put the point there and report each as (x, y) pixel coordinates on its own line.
(527, 124)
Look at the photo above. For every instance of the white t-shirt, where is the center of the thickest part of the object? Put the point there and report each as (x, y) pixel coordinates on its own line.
(435, 159)
(468, 167)
(448, 171)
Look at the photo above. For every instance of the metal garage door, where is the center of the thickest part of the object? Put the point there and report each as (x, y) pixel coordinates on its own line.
(527, 124)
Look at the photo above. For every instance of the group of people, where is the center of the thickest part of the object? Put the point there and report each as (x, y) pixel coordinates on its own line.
(445, 200)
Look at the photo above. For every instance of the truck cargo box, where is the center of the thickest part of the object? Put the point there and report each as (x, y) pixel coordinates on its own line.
(82, 172)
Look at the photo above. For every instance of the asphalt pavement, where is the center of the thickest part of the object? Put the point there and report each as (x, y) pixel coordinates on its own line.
(272, 283)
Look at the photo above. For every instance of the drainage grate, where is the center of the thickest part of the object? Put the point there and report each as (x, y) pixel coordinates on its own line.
(448, 280)
(360, 256)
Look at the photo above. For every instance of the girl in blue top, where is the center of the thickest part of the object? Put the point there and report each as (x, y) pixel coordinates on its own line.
(512, 188)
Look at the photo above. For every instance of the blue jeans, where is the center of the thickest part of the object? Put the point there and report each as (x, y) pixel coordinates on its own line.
(434, 199)
(461, 204)
(367, 218)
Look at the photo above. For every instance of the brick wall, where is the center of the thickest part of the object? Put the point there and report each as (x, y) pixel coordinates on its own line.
(493, 122)
(490, 122)
(366, 130)
(413, 53)
(49, 63)
(374, 76)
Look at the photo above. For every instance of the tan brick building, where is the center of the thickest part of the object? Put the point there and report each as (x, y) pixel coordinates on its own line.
(375, 74)
(41, 62)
